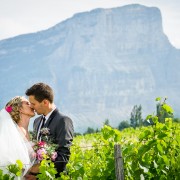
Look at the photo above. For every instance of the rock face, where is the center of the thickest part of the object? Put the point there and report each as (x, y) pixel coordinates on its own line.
(99, 63)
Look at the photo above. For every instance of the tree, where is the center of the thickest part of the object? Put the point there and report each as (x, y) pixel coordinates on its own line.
(89, 131)
(176, 120)
(162, 111)
(97, 130)
(77, 134)
(106, 122)
(136, 116)
(123, 125)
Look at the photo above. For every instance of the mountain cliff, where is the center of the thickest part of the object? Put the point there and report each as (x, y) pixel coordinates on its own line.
(100, 64)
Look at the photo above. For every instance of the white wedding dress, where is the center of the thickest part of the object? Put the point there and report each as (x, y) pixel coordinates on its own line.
(13, 144)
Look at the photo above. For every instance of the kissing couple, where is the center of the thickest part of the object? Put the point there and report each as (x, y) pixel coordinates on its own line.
(16, 143)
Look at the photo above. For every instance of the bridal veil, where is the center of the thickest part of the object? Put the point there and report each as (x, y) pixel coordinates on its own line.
(13, 144)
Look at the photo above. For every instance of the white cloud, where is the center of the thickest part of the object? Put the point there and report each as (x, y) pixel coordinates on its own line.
(9, 28)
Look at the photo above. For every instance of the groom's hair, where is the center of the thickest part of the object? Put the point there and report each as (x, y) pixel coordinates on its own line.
(41, 91)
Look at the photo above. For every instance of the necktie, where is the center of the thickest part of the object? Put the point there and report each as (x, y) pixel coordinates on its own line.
(43, 121)
(41, 126)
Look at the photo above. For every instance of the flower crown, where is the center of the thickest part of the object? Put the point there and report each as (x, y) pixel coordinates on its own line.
(8, 109)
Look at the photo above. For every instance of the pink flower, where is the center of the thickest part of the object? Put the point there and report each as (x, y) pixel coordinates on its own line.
(53, 156)
(8, 109)
(40, 153)
(41, 144)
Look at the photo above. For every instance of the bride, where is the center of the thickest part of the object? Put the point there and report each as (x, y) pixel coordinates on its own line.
(14, 136)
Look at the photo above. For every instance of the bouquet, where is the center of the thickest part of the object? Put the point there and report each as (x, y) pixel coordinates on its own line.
(45, 149)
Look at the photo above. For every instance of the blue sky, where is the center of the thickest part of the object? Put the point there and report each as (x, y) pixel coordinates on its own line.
(26, 16)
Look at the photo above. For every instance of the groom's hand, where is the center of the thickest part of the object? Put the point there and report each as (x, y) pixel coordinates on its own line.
(30, 177)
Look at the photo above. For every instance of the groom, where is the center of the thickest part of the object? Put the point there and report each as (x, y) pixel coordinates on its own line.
(61, 128)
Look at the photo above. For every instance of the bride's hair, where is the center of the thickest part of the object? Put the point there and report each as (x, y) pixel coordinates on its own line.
(13, 108)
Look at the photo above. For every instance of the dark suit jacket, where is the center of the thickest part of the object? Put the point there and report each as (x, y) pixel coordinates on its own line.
(61, 130)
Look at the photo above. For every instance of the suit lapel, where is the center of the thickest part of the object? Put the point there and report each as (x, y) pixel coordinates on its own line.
(50, 118)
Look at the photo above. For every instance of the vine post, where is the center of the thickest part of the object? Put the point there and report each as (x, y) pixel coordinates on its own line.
(119, 169)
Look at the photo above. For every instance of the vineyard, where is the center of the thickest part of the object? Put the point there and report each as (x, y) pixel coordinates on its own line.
(149, 152)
